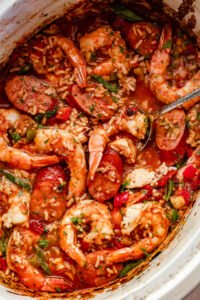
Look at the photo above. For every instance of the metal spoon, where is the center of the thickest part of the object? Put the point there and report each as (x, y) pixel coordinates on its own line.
(156, 114)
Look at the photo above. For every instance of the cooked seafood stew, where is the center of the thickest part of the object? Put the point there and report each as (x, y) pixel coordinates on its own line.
(81, 205)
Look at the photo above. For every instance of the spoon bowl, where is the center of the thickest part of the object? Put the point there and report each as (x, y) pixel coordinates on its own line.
(151, 117)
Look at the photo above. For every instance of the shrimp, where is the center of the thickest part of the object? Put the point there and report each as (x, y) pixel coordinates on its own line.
(105, 37)
(151, 219)
(21, 243)
(16, 199)
(24, 160)
(125, 147)
(65, 144)
(88, 211)
(11, 119)
(58, 45)
(136, 125)
(158, 67)
(96, 271)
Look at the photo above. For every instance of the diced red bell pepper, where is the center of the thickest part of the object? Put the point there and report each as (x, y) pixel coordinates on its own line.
(195, 183)
(64, 114)
(120, 199)
(3, 264)
(36, 226)
(117, 243)
(186, 195)
(163, 181)
(85, 246)
(189, 172)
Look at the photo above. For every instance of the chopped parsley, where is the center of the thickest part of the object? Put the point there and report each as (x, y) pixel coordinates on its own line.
(168, 44)
(15, 136)
(124, 185)
(92, 108)
(49, 114)
(43, 243)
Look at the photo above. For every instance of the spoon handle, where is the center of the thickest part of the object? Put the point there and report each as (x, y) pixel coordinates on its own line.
(178, 102)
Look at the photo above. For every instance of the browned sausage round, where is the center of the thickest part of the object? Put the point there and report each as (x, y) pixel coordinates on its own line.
(97, 107)
(48, 200)
(170, 129)
(107, 182)
(31, 94)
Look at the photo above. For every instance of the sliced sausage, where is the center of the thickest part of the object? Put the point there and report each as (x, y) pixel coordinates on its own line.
(98, 107)
(48, 199)
(170, 129)
(143, 37)
(31, 94)
(107, 181)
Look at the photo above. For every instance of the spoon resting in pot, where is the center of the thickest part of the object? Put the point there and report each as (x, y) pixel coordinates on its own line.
(156, 114)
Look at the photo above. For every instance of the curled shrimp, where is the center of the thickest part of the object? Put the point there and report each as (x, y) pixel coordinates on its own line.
(125, 147)
(16, 199)
(57, 45)
(65, 144)
(149, 218)
(136, 125)
(21, 243)
(158, 68)
(88, 211)
(105, 37)
(9, 118)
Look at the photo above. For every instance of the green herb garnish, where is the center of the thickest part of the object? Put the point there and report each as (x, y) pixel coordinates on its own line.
(174, 216)
(109, 86)
(49, 114)
(41, 260)
(126, 14)
(169, 189)
(43, 243)
(168, 44)
(129, 267)
(60, 187)
(15, 136)
(17, 180)
(25, 69)
(124, 185)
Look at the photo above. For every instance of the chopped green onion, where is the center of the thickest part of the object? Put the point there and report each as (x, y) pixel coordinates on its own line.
(17, 180)
(129, 267)
(126, 14)
(174, 216)
(41, 261)
(109, 86)
(169, 189)
(43, 243)
(3, 244)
